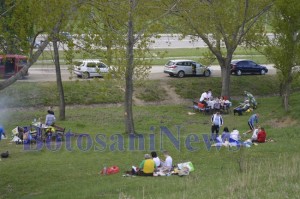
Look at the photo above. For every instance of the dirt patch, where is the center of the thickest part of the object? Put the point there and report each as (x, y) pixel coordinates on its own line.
(172, 96)
(283, 122)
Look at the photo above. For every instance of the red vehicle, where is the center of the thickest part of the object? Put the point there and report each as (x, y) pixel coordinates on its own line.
(11, 64)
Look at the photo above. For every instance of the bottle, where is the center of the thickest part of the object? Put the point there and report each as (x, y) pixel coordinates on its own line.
(104, 170)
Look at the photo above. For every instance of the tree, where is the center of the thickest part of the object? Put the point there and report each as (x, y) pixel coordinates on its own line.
(54, 16)
(125, 28)
(61, 12)
(223, 26)
(15, 27)
(284, 49)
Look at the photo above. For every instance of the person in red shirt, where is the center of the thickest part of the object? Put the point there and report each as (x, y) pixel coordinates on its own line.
(261, 136)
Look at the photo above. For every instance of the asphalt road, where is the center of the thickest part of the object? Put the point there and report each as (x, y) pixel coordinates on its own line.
(164, 41)
(47, 73)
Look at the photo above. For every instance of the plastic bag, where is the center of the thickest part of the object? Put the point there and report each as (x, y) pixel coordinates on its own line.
(189, 165)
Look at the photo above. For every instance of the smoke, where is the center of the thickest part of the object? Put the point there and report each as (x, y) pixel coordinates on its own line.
(5, 101)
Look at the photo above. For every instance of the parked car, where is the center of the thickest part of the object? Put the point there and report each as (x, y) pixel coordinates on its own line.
(181, 68)
(37, 44)
(239, 67)
(90, 68)
(67, 35)
(11, 64)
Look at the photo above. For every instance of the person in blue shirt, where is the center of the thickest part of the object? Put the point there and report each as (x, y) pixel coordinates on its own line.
(2, 132)
(225, 135)
(251, 122)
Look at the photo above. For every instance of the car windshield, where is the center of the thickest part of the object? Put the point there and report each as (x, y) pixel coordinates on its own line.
(23, 62)
(101, 65)
(78, 63)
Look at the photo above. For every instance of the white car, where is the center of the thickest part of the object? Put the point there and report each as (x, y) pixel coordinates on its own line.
(181, 68)
(90, 68)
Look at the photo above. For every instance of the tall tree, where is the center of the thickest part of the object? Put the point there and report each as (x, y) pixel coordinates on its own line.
(62, 12)
(223, 26)
(126, 27)
(53, 16)
(284, 49)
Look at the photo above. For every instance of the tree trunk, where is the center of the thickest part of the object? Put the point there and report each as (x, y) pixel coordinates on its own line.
(59, 81)
(225, 74)
(129, 124)
(286, 91)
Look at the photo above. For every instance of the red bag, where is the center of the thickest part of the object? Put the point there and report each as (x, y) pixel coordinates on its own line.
(110, 170)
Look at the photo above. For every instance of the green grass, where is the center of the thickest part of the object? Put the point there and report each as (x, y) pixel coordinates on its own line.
(190, 88)
(163, 55)
(95, 91)
(269, 170)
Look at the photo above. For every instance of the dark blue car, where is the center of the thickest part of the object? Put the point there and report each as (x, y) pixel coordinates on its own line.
(239, 67)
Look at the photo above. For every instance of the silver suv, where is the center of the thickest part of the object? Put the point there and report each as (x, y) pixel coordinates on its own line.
(181, 68)
(90, 68)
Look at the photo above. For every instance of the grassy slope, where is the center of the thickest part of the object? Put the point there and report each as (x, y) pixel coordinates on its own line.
(269, 170)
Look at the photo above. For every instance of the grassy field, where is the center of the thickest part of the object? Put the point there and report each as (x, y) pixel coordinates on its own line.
(269, 170)
(108, 91)
(161, 56)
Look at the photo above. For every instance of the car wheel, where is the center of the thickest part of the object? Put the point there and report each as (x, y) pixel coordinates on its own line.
(262, 72)
(207, 73)
(239, 72)
(180, 74)
(85, 75)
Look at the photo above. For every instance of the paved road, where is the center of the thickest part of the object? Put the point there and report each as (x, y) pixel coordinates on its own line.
(47, 73)
(164, 41)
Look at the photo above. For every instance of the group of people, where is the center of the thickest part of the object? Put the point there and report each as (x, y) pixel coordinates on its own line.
(50, 121)
(208, 102)
(258, 132)
(153, 163)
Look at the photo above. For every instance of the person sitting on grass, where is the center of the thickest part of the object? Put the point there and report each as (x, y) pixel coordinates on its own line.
(50, 121)
(168, 163)
(261, 136)
(242, 108)
(225, 135)
(255, 132)
(147, 166)
(155, 158)
(234, 139)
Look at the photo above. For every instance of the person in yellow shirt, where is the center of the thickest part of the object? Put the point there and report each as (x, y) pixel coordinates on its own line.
(147, 166)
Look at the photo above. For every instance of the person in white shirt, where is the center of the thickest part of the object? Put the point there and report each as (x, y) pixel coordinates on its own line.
(255, 132)
(203, 96)
(209, 94)
(168, 163)
(234, 136)
(216, 121)
(155, 158)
